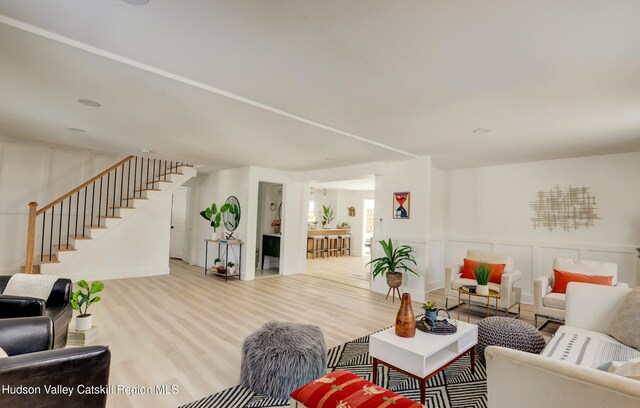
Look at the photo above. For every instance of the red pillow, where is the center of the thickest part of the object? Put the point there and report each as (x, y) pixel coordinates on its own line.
(562, 279)
(470, 265)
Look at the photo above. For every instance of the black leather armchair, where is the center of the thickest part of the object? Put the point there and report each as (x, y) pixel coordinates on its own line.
(32, 363)
(57, 307)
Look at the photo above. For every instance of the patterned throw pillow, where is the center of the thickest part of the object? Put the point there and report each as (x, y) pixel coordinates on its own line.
(344, 389)
(625, 326)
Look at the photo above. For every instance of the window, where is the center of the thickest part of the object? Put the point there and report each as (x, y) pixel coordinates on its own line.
(312, 211)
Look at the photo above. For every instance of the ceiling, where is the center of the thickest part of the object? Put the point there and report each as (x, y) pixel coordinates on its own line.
(302, 84)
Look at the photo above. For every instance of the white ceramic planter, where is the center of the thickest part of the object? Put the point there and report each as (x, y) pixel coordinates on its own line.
(482, 290)
(231, 270)
(84, 323)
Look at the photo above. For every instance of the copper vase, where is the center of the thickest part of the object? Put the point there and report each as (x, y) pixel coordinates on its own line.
(406, 320)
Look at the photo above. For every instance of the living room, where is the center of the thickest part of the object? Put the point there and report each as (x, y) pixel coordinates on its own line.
(493, 147)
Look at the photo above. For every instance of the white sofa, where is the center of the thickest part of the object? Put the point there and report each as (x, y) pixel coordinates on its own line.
(523, 380)
(509, 294)
(550, 305)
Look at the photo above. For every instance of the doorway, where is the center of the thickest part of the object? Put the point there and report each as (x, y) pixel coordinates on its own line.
(337, 211)
(178, 238)
(269, 229)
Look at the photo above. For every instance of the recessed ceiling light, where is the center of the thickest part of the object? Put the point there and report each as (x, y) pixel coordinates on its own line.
(78, 130)
(481, 130)
(146, 151)
(89, 102)
(136, 2)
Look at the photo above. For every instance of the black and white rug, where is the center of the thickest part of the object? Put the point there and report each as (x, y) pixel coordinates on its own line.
(455, 387)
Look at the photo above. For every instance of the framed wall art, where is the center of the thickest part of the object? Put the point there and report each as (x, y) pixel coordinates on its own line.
(401, 206)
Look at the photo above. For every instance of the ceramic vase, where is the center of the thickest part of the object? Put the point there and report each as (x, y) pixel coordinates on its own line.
(84, 322)
(482, 290)
(406, 320)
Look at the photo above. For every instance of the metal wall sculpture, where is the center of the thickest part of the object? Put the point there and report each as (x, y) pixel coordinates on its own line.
(568, 209)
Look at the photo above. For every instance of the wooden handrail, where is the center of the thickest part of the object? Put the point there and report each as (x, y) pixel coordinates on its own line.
(31, 238)
(83, 185)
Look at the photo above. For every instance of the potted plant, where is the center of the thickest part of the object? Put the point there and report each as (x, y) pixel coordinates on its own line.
(214, 217)
(394, 262)
(430, 310)
(343, 225)
(276, 225)
(327, 216)
(482, 272)
(81, 300)
(231, 267)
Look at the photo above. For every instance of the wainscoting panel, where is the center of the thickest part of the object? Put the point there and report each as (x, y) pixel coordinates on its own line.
(626, 263)
(535, 258)
(435, 280)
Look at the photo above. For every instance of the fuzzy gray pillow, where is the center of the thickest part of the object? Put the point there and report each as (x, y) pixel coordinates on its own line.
(625, 326)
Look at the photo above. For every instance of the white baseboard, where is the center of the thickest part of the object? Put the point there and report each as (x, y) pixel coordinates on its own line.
(107, 275)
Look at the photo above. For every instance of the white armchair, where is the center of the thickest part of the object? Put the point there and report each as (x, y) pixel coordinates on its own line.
(509, 294)
(550, 305)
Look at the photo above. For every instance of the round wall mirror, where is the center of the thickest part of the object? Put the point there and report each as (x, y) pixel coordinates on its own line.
(231, 218)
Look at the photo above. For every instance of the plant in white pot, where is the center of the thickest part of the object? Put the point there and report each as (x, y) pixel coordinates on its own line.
(482, 273)
(214, 217)
(82, 299)
(231, 268)
(394, 262)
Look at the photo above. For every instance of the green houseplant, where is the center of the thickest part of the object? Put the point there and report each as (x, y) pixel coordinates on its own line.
(327, 215)
(394, 262)
(482, 272)
(430, 310)
(214, 216)
(82, 299)
(231, 267)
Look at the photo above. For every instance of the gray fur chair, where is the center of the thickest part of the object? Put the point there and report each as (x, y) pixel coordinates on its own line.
(281, 357)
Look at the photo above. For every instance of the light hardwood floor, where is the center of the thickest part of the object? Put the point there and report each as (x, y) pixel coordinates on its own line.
(187, 329)
(349, 270)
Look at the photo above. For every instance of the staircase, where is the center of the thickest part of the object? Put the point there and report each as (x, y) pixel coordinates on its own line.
(60, 230)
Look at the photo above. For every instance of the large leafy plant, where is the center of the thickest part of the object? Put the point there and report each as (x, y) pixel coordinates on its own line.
(214, 216)
(394, 260)
(327, 214)
(81, 300)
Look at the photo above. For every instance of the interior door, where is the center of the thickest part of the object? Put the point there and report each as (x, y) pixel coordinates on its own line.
(178, 222)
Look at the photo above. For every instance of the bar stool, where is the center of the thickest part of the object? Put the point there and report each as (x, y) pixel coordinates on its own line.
(345, 243)
(332, 245)
(317, 246)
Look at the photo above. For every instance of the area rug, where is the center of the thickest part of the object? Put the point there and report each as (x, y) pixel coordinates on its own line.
(455, 387)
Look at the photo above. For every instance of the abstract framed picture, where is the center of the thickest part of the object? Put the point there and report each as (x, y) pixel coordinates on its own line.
(401, 205)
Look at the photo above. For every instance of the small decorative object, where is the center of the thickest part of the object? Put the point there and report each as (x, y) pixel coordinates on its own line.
(214, 216)
(81, 300)
(231, 267)
(482, 274)
(430, 310)
(568, 209)
(352, 211)
(216, 263)
(315, 224)
(393, 263)
(401, 205)
(343, 225)
(441, 327)
(276, 225)
(327, 215)
(405, 319)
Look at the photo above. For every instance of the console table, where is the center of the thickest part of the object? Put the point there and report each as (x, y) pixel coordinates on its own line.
(223, 253)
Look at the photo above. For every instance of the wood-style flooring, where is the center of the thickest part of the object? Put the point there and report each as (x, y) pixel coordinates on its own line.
(187, 329)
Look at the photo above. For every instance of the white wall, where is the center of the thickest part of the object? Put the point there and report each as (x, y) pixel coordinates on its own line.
(350, 198)
(41, 173)
(413, 176)
(488, 208)
(435, 276)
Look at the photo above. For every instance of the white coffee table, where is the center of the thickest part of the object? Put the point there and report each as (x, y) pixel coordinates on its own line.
(424, 355)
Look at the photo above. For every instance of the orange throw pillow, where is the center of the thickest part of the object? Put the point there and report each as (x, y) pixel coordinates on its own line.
(470, 265)
(562, 279)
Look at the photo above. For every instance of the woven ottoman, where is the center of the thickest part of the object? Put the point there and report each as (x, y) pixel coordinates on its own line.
(280, 357)
(344, 389)
(509, 333)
